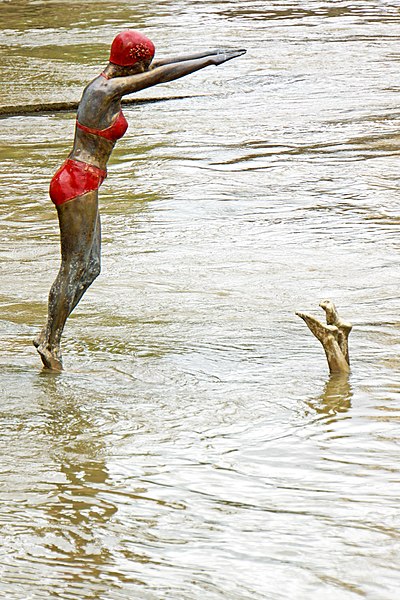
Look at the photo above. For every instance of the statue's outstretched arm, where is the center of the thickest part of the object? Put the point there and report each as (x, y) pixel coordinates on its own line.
(134, 83)
(184, 57)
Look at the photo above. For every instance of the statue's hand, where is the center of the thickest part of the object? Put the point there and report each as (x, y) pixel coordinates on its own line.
(224, 55)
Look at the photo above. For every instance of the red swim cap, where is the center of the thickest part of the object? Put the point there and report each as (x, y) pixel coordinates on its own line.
(130, 47)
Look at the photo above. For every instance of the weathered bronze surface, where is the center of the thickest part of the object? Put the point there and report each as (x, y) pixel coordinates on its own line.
(79, 218)
(333, 336)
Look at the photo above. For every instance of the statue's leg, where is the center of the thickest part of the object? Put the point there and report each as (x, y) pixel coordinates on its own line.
(332, 318)
(90, 275)
(328, 335)
(93, 267)
(80, 249)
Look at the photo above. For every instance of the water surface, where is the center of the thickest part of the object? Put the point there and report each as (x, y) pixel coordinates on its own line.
(195, 446)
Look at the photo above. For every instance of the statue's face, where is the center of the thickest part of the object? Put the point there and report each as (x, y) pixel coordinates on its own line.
(143, 65)
(140, 67)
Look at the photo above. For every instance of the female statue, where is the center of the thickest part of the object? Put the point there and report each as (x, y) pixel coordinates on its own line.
(74, 187)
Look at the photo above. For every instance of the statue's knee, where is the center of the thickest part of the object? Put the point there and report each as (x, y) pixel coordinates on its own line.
(96, 269)
(93, 271)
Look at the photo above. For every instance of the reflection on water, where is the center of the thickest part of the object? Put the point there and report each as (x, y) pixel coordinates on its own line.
(335, 397)
(194, 448)
(65, 535)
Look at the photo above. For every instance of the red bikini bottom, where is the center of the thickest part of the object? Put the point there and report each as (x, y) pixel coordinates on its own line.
(75, 178)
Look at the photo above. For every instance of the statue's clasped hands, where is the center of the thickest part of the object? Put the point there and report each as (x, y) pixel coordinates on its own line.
(222, 56)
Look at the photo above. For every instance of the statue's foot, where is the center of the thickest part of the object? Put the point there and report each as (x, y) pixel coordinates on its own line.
(344, 328)
(332, 317)
(322, 332)
(329, 336)
(50, 359)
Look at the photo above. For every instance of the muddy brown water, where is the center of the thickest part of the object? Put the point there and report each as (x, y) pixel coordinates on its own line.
(195, 447)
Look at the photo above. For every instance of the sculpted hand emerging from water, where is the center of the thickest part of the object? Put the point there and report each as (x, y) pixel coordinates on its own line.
(74, 188)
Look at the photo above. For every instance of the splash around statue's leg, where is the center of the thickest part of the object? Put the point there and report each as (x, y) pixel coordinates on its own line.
(333, 336)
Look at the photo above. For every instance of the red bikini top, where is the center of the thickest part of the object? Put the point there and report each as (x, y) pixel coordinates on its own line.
(114, 132)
